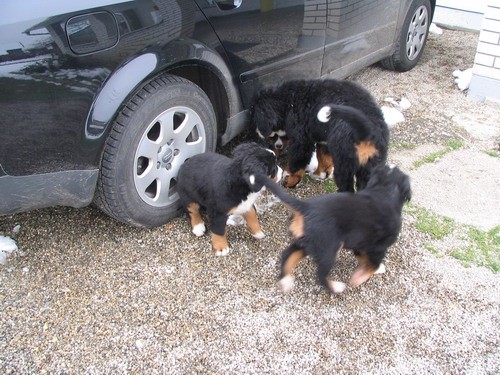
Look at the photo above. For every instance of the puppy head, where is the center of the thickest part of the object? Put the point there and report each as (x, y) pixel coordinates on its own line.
(268, 118)
(393, 180)
(256, 160)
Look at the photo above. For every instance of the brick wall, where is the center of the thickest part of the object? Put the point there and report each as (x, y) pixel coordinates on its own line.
(485, 81)
(314, 18)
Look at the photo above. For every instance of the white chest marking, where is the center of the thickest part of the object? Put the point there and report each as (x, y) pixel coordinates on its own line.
(246, 205)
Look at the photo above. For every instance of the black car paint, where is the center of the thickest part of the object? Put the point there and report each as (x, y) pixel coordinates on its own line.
(56, 109)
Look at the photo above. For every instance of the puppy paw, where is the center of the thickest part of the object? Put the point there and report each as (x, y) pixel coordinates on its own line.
(259, 235)
(199, 229)
(290, 181)
(336, 287)
(360, 275)
(235, 220)
(286, 283)
(222, 252)
(319, 176)
(380, 269)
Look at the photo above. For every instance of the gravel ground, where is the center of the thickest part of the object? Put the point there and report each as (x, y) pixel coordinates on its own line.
(85, 294)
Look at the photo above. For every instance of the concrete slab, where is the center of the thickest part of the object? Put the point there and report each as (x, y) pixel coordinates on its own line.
(463, 185)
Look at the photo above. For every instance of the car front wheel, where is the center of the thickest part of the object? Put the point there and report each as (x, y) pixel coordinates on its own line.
(411, 42)
(165, 123)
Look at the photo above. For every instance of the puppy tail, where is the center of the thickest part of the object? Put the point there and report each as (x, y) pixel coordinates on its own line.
(294, 203)
(360, 123)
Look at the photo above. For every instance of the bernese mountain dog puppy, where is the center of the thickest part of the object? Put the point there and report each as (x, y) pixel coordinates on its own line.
(339, 114)
(367, 222)
(223, 186)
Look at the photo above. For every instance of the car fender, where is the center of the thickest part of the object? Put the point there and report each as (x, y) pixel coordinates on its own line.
(129, 76)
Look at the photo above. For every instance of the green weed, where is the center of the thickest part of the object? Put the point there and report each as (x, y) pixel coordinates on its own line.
(451, 145)
(480, 248)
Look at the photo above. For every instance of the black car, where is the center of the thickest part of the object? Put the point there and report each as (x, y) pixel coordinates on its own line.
(101, 101)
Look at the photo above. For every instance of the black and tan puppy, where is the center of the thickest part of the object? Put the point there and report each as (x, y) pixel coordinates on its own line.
(223, 186)
(339, 114)
(367, 222)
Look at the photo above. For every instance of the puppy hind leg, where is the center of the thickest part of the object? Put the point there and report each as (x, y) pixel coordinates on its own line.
(344, 178)
(325, 264)
(253, 223)
(362, 177)
(325, 163)
(289, 259)
(369, 264)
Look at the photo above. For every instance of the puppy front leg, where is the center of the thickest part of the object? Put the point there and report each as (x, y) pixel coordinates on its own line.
(299, 156)
(289, 259)
(197, 224)
(253, 223)
(220, 246)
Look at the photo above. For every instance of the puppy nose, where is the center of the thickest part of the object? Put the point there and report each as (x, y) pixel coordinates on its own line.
(278, 146)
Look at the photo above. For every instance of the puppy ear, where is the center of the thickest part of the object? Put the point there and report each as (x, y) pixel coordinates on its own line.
(265, 116)
(243, 149)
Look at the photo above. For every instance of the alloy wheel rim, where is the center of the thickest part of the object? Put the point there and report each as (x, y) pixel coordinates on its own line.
(171, 138)
(417, 33)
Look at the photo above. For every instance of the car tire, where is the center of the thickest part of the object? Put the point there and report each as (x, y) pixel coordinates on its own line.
(412, 39)
(167, 121)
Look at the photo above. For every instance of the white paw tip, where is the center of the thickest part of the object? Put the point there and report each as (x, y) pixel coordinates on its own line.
(286, 283)
(324, 114)
(337, 287)
(321, 176)
(380, 269)
(199, 230)
(279, 175)
(222, 253)
(259, 235)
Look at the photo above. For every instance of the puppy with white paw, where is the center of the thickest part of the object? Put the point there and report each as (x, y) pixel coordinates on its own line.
(225, 186)
(367, 222)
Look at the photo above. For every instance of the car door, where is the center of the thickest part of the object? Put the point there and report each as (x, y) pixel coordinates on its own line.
(269, 41)
(358, 33)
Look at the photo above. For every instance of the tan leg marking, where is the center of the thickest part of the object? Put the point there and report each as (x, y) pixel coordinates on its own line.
(253, 223)
(291, 262)
(365, 150)
(220, 245)
(287, 281)
(325, 162)
(194, 214)
(291, 180)
(297, 225)
(363, 272)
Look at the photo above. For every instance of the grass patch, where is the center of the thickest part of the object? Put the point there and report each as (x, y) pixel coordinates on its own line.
(481, 248)
(438, 227)
(403, 146)
(484, 249)
(450, 146)
(493, 154)
(328, 183)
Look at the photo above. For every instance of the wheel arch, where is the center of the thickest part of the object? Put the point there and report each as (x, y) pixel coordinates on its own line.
(187, 59)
